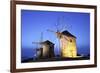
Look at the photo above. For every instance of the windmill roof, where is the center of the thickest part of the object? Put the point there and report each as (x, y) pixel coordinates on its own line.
(67, 33)
(47, 42)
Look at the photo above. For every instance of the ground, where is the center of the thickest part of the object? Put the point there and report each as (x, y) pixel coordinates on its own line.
(54, 59)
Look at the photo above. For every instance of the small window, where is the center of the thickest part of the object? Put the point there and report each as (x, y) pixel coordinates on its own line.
(70, 40)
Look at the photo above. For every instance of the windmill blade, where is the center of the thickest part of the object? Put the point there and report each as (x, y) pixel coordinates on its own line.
(70, 26)
(67, 27)
(63, 27)
(36, 42)
(59, 43)
(57, 33)
(61, 23)
(51, 30)
(60, 26)
(56, 25)
(41, 40)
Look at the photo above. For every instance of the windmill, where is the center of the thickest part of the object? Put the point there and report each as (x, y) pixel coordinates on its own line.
(38, 50)
(65, 40)
(58, 31)
(46, 48)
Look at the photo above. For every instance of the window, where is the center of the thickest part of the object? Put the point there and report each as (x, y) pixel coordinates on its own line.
(70, 40)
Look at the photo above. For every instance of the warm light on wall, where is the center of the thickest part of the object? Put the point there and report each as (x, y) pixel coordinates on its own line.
(68, 48)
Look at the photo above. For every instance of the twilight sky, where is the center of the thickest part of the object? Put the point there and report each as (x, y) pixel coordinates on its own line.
(34, 22)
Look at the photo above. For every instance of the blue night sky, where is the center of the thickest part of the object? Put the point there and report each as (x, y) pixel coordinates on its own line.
(34, 22)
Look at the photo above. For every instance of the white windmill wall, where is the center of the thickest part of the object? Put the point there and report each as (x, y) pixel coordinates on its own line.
(45, 50)
(68, 49)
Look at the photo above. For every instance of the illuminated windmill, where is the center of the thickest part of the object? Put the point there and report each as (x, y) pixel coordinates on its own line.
(46, 49)
(67, 41)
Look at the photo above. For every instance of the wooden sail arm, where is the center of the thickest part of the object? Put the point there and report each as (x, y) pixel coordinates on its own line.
(51, 30)
(36, 42)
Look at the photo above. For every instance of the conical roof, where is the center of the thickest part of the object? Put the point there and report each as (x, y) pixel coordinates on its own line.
(67, 33)
(48, 42)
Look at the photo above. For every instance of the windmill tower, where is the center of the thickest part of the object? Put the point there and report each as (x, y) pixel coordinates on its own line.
(38, 50)
(67, 41)
(46, 49)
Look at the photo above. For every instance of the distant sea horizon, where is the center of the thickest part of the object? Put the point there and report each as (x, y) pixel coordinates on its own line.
(27, 53)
